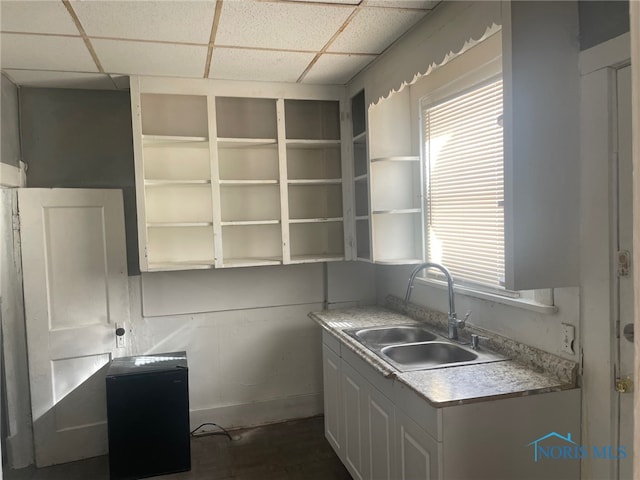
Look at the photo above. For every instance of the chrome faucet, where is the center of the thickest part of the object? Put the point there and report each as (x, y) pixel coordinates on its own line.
(453, 321)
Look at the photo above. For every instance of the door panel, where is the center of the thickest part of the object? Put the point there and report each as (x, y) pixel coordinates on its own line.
(75, 290)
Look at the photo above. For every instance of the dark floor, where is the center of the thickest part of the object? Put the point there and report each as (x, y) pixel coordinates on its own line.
(295, 450)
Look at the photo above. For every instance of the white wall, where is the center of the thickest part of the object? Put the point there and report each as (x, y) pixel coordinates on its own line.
(254, 355)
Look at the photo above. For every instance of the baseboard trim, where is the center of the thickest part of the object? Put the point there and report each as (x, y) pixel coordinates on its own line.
(259, 413)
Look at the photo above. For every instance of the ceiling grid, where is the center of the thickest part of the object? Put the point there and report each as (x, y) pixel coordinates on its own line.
(304, 41)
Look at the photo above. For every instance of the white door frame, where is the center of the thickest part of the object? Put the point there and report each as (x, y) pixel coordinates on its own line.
(635, 80)
(598, 149)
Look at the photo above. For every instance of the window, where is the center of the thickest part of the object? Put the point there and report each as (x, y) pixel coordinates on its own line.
(463, 155)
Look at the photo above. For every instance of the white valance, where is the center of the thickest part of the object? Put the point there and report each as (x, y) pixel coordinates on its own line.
(450, 30)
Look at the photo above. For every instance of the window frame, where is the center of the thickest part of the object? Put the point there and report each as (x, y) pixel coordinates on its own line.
(475, 79)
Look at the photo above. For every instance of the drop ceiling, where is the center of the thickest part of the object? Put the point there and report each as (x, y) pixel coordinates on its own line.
(98, 44)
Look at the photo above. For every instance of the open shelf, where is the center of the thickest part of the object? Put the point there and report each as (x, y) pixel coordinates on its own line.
(397, 239)
(180, 246)
(405, 158)
(250, 222)
(178, 224)
(396, 186)
(162, 183)
(246, 142)
(312, 144)
(363, 242)
(251, 245)
(402, 211)
(250, 202)
(316, 220)
(362, 199)
(315, 201)
(186, 162)
(317, 181)
(319, 241)
(314, 163)
(169, 140)
(172, 117)
(312, 119)
(248, 118)
(178, 204)
(166, 266)
(258, 162)
(240, 183)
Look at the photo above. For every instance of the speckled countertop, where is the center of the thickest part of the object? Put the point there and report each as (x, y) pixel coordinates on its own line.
(528, 371)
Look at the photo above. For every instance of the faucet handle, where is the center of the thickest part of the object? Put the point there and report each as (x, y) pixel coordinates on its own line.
(461, 323)
(475, 340)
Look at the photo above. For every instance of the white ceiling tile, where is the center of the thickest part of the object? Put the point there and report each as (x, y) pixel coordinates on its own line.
(144, 58)
(337, 69)
(36, 17)
(48, 79)
(288, 26)
(422, 4)
(374, 29)
(170, 21)
(44, 52)
(258, 65)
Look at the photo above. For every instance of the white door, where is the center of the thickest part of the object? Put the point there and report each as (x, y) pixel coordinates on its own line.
(75, 290)
(625, 349)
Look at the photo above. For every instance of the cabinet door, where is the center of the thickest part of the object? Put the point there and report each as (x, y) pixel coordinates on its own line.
(418, 453)
(332, 399)
(354, 395)
(380, 436)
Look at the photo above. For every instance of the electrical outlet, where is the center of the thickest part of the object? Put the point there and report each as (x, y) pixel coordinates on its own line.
(568, 337)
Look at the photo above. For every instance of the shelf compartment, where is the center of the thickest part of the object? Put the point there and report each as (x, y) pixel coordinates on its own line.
(363, 243)
(250, 202)
(397, 239)
(311, 144)
(241, 183)
(403, 211)
(166, 266)
(177, 161)
(163, 183)
(174, 116)
(186, 247)
(360, 160)
(395, 186)
(251, 118)
(313, 163)
(312, 119)
(398, 158)
(362, 199)
(316, 181)
(358, 115)
(232, 143)
(178, 204)
(170, 140)
(256, 163)
(315, 201)
(316, 220)
(178, 224)
(251, 245)
(250, 222)
(316, 242)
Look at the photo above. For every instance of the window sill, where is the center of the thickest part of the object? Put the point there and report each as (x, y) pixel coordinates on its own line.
(523, 303)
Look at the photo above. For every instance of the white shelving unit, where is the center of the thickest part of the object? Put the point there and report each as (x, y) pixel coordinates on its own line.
(235, 176)
(314, 171)
(395, 182)
(361, 177)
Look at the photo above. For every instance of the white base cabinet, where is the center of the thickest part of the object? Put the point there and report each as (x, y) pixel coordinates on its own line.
(382, 429)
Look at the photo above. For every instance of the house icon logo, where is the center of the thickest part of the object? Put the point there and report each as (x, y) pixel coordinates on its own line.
(568, 446)
(554, 446)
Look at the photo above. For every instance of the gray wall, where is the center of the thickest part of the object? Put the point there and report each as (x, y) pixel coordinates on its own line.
(10, 134)
(81, 139)
(601, 21)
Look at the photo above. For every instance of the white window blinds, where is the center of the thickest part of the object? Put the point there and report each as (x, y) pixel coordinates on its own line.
(464, 167)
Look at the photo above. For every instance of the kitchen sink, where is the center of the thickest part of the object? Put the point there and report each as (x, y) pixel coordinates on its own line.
(414, 347)
(428, 354)
(397, 334)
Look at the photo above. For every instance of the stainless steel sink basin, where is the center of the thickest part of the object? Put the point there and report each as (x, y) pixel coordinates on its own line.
(428, 354)
(413, 347)
(392, 335)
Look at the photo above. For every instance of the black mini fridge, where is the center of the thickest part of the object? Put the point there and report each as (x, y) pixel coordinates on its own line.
(148, 415)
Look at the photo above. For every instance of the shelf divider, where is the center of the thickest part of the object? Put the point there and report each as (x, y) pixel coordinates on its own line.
(215, 182)
(284, 185)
